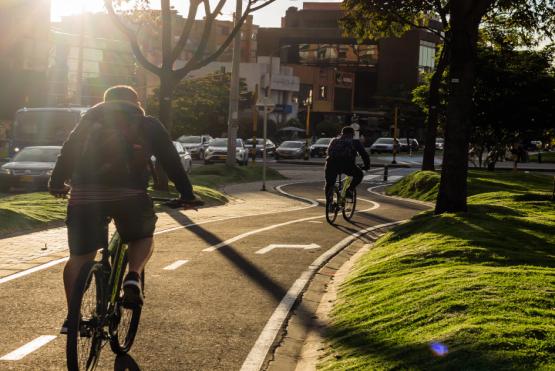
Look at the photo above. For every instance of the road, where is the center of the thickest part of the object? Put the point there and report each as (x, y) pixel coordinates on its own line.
(206, 313)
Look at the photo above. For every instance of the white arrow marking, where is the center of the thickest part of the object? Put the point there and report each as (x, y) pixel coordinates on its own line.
(285, 246)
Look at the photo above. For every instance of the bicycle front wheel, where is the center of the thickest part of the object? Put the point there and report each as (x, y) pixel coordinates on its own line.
(350, 205)
(124, 322)
(332, 205)
(85, 319)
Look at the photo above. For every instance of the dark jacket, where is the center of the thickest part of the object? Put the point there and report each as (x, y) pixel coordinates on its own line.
(359, 148)
(73, 166)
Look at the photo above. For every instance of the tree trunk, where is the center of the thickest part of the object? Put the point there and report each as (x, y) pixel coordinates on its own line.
(167, 87)
(453, 187)
(428, 160)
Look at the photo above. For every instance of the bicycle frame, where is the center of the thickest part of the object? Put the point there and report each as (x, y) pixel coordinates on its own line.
(117, 250)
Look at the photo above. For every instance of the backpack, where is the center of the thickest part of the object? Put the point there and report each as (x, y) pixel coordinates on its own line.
(342, 149)
(115, 149)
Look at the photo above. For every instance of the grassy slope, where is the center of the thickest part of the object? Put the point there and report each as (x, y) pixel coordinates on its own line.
(34, 210)
(480, 283)
(546, 157)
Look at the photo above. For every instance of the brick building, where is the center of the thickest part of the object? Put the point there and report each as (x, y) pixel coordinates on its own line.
(346, 78)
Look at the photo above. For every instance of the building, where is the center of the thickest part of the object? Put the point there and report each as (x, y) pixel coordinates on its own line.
(24, 26)
(346, 79)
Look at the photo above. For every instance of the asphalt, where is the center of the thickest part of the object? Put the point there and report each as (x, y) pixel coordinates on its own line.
(208, 313)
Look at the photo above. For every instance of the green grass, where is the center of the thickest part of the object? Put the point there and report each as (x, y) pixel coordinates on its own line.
(482, 283)
(29, 211)
(546, 157)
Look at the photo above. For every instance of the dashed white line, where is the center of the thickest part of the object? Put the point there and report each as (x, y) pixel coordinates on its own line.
(28, 348)
(173, 266)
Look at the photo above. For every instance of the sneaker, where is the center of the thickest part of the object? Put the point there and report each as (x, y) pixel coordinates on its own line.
(132, 292)
(194, 202)
(63, 330)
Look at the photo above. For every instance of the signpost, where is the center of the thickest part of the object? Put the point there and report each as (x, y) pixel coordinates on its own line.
(267, 104)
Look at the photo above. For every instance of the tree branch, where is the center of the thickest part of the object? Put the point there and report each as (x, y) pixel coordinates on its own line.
(266, 3)
(415, 25)
(132, 36)
(193, 8)
(442, 12)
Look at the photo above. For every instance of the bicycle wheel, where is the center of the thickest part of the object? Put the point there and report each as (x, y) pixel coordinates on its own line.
(332, 205)
(123, 322)
(85, 319)
(350, 205)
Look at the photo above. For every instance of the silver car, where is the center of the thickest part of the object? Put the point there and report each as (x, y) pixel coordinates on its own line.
(384, 145)
(217, 151)
(30, 168)
(195, 144)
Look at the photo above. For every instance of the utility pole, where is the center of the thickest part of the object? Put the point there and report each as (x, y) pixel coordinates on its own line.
(394, 150)
(79, 86)
(233, 116)
(254, 109)
(308, 106)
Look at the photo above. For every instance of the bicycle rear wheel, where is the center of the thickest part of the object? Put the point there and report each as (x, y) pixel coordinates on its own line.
(124, 322)
(332, 205)
(85, 319)
(350, 205)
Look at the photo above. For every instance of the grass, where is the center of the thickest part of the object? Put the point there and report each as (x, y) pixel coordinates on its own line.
(465, 291)
(26, 212)
(546, 157)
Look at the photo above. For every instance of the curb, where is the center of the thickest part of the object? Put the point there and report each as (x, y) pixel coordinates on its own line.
(315, 163)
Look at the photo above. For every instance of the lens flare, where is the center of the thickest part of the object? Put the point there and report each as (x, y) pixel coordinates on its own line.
(439, 349)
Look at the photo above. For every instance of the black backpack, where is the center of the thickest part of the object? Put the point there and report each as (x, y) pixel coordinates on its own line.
(115, 149)
(342, 149)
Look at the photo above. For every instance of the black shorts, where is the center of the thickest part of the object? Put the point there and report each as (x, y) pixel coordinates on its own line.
(87, 224)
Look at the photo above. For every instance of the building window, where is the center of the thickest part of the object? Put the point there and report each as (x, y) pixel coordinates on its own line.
(323, 92)
(426, 58)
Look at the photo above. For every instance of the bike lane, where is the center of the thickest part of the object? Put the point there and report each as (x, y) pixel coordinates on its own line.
(207, 312)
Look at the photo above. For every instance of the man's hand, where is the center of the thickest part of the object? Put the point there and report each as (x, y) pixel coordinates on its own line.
(59, 192)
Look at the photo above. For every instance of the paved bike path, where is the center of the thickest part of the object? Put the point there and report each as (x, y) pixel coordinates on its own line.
(206, 314)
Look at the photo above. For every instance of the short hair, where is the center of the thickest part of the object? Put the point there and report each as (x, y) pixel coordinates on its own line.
(347, 130)
(121, 92)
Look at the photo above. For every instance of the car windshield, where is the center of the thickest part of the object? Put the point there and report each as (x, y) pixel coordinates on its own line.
(439, 140)
(323, 141)
(291, 144)
(189, 140)
(222, 142)
(384, 141)
(37, 154)
(258, 141)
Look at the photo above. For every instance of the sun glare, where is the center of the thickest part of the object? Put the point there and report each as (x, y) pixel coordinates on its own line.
(60, 8)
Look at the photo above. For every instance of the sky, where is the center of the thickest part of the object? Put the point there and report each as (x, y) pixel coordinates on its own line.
(269, 16)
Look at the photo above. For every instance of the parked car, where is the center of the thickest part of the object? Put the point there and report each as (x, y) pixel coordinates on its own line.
(320, 147)
(217, 151)
(439, 143)
(30, 168)
(291, 149)
(414, 145)
(195, 144)
(384, 145)
(270, 147)
(184, 156)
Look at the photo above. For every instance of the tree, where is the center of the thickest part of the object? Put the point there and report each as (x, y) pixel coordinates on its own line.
(462, 20)
(200, 105)
(167, 73)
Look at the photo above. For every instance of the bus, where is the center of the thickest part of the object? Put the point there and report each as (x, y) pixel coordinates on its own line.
(43, 127)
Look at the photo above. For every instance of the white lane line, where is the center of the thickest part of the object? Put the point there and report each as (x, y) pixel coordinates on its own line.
(274, 226)
(417, 202)
(259, 351)
(315, 221)
(32, 270)
(28, 348)
(62, 260)
(173, 266)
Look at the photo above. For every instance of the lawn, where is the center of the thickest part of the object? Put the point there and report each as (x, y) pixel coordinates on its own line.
(465, 291)
(546, 157)
(29, 211)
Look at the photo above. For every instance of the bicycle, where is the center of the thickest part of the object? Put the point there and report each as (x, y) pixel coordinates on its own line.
(96, 315)
(339, 199)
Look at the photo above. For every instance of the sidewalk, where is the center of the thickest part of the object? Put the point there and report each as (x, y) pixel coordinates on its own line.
(30, 250)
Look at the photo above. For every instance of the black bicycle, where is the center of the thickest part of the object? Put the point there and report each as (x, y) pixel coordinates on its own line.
(339, 199)
(96, 315)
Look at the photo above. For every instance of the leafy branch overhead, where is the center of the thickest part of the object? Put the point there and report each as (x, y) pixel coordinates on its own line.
(172, 52)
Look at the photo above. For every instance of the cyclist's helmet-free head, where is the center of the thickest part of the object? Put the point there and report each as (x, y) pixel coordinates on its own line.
(347, 130)
(121, 93)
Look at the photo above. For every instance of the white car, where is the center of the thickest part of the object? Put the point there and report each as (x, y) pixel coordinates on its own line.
(195, 144)
(439, 143)
(184, 157)
(217, 151)
(384, 145)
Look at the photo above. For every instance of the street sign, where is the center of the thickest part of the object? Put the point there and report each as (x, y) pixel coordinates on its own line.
(287, 246)
(265, 102)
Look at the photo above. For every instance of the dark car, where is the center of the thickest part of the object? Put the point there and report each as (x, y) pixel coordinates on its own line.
(320, 147)
(30, 168)
(270, 146)
(291, 149)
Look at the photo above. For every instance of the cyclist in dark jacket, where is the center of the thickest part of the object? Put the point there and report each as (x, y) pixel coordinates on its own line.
(106, 161)
(342, 153)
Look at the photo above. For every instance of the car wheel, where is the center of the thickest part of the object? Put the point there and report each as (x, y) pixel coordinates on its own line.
(201, 155)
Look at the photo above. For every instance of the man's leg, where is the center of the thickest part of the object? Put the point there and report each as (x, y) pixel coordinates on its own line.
(356, 173)
(72, 269)
(139, 253)
(331, 176)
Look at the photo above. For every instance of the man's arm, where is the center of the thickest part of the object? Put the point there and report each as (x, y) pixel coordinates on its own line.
(166, 153)
(362, 152)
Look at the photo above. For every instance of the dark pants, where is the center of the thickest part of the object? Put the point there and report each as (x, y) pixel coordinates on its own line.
(334, 168)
